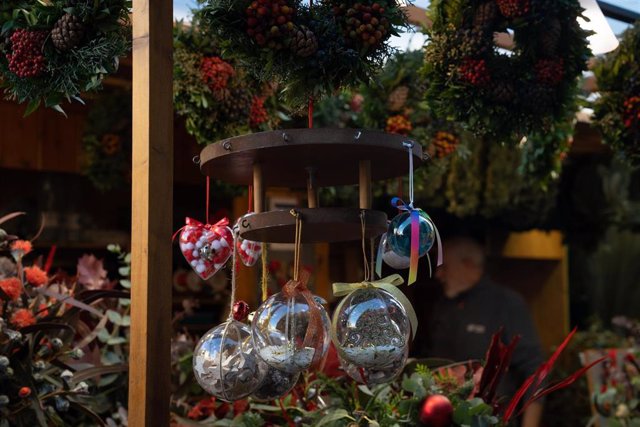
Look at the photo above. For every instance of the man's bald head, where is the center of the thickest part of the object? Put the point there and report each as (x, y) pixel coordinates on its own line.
(463, 265)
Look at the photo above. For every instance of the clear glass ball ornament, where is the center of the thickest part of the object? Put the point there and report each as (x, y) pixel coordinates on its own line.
(391, 258)
(372, 328)
(248, 251)
(379, 375)
(276, 384)
(288, 331)
(226, 364)
(399, 233)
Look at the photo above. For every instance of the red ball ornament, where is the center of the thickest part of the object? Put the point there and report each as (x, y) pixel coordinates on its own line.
(24, 392)
(436, 411)
(240, 311)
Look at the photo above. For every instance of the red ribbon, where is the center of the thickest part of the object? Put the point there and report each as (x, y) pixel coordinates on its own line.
(314, 336)
(190, 222)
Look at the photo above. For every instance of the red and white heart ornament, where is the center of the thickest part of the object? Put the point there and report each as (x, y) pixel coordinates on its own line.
(206, 247)
(248, 250)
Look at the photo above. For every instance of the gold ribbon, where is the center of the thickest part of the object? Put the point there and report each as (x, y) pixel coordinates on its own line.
(388, 284)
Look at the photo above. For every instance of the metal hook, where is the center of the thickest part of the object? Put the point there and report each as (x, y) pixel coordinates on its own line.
(407, 144)
(357, 135)
(227, 145)
(245, 223)
(426, 156)
(285, 137)
(196, 159)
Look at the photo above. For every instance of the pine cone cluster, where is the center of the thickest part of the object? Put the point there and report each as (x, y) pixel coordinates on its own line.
(398, 98)
(475, 71)
(215, 73)
(26, 58)
(303, 42)
(502, 91)
(257, 113)
(537, 98)
(399, 124)
(269, 22)
(513, 8)
(445, 143)
(364, 24)
(550, 71)
(235, 107)
(631, 114)
(485, 15)
(67, 33)
(550, 37)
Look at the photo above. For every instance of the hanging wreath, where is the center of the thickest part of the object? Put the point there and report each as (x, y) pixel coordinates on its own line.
(617, 111)
(53, 50)
(499, 94)
(107, 141)
(214, 95)
(311, 50)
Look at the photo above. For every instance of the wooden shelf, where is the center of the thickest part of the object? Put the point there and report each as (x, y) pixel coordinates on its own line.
(287, 157)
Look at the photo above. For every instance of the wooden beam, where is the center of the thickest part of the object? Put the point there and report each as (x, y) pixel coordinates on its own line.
(151, 222)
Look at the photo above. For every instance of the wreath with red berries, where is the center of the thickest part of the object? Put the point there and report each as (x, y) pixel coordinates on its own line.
(311, 50)
(52, 51)
(499, 94)
(617, 110)
(213, 94)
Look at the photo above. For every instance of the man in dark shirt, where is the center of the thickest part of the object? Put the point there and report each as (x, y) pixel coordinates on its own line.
(471, 309)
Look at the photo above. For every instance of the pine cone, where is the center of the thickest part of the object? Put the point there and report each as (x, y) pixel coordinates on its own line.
(236, 107)
(537, 98)
(550, 38)
(502, 92)
(67, 33)
(485, 15)
(398, 98)
(303, 42)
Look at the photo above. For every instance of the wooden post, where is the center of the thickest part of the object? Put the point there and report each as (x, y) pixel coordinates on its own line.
(151, 222)
(258, 189)
(365, 184)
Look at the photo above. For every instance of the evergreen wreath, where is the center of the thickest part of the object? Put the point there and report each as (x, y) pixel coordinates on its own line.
(107, 141)
(498, 94)
(52, 50)
(310, 50)
(213, 95)
(617, 111)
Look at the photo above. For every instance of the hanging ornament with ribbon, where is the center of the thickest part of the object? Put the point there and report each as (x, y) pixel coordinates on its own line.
(206, 247)
(248, 250)
(373, 326)
(291, 328)
(225, 362)
(412, 232)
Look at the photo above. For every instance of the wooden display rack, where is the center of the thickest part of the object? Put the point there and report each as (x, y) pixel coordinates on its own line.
(319, 157)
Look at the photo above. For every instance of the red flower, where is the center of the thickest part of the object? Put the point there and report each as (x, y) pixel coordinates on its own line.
(202, 409)
(35, 276)
(12, 287)
(19, 248)
(22, 318)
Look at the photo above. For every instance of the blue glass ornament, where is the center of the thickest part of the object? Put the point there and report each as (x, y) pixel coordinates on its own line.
(399, 233)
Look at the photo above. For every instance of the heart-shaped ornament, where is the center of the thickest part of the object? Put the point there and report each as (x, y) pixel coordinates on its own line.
(206, 247)
(248, 251)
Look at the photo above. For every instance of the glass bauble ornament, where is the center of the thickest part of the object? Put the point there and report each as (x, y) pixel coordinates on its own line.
(206, 247)
(399, 233)
(374, 376)
(248, 251)
(391, 258)
(291, 331)
(276, 384)
(372, 328)
(226, 364)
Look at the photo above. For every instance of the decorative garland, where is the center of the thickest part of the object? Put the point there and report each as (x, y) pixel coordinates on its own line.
(617, 111)
(214, 95)
(311, 50)
(53, 50)
(495, 94)
(107, 141)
